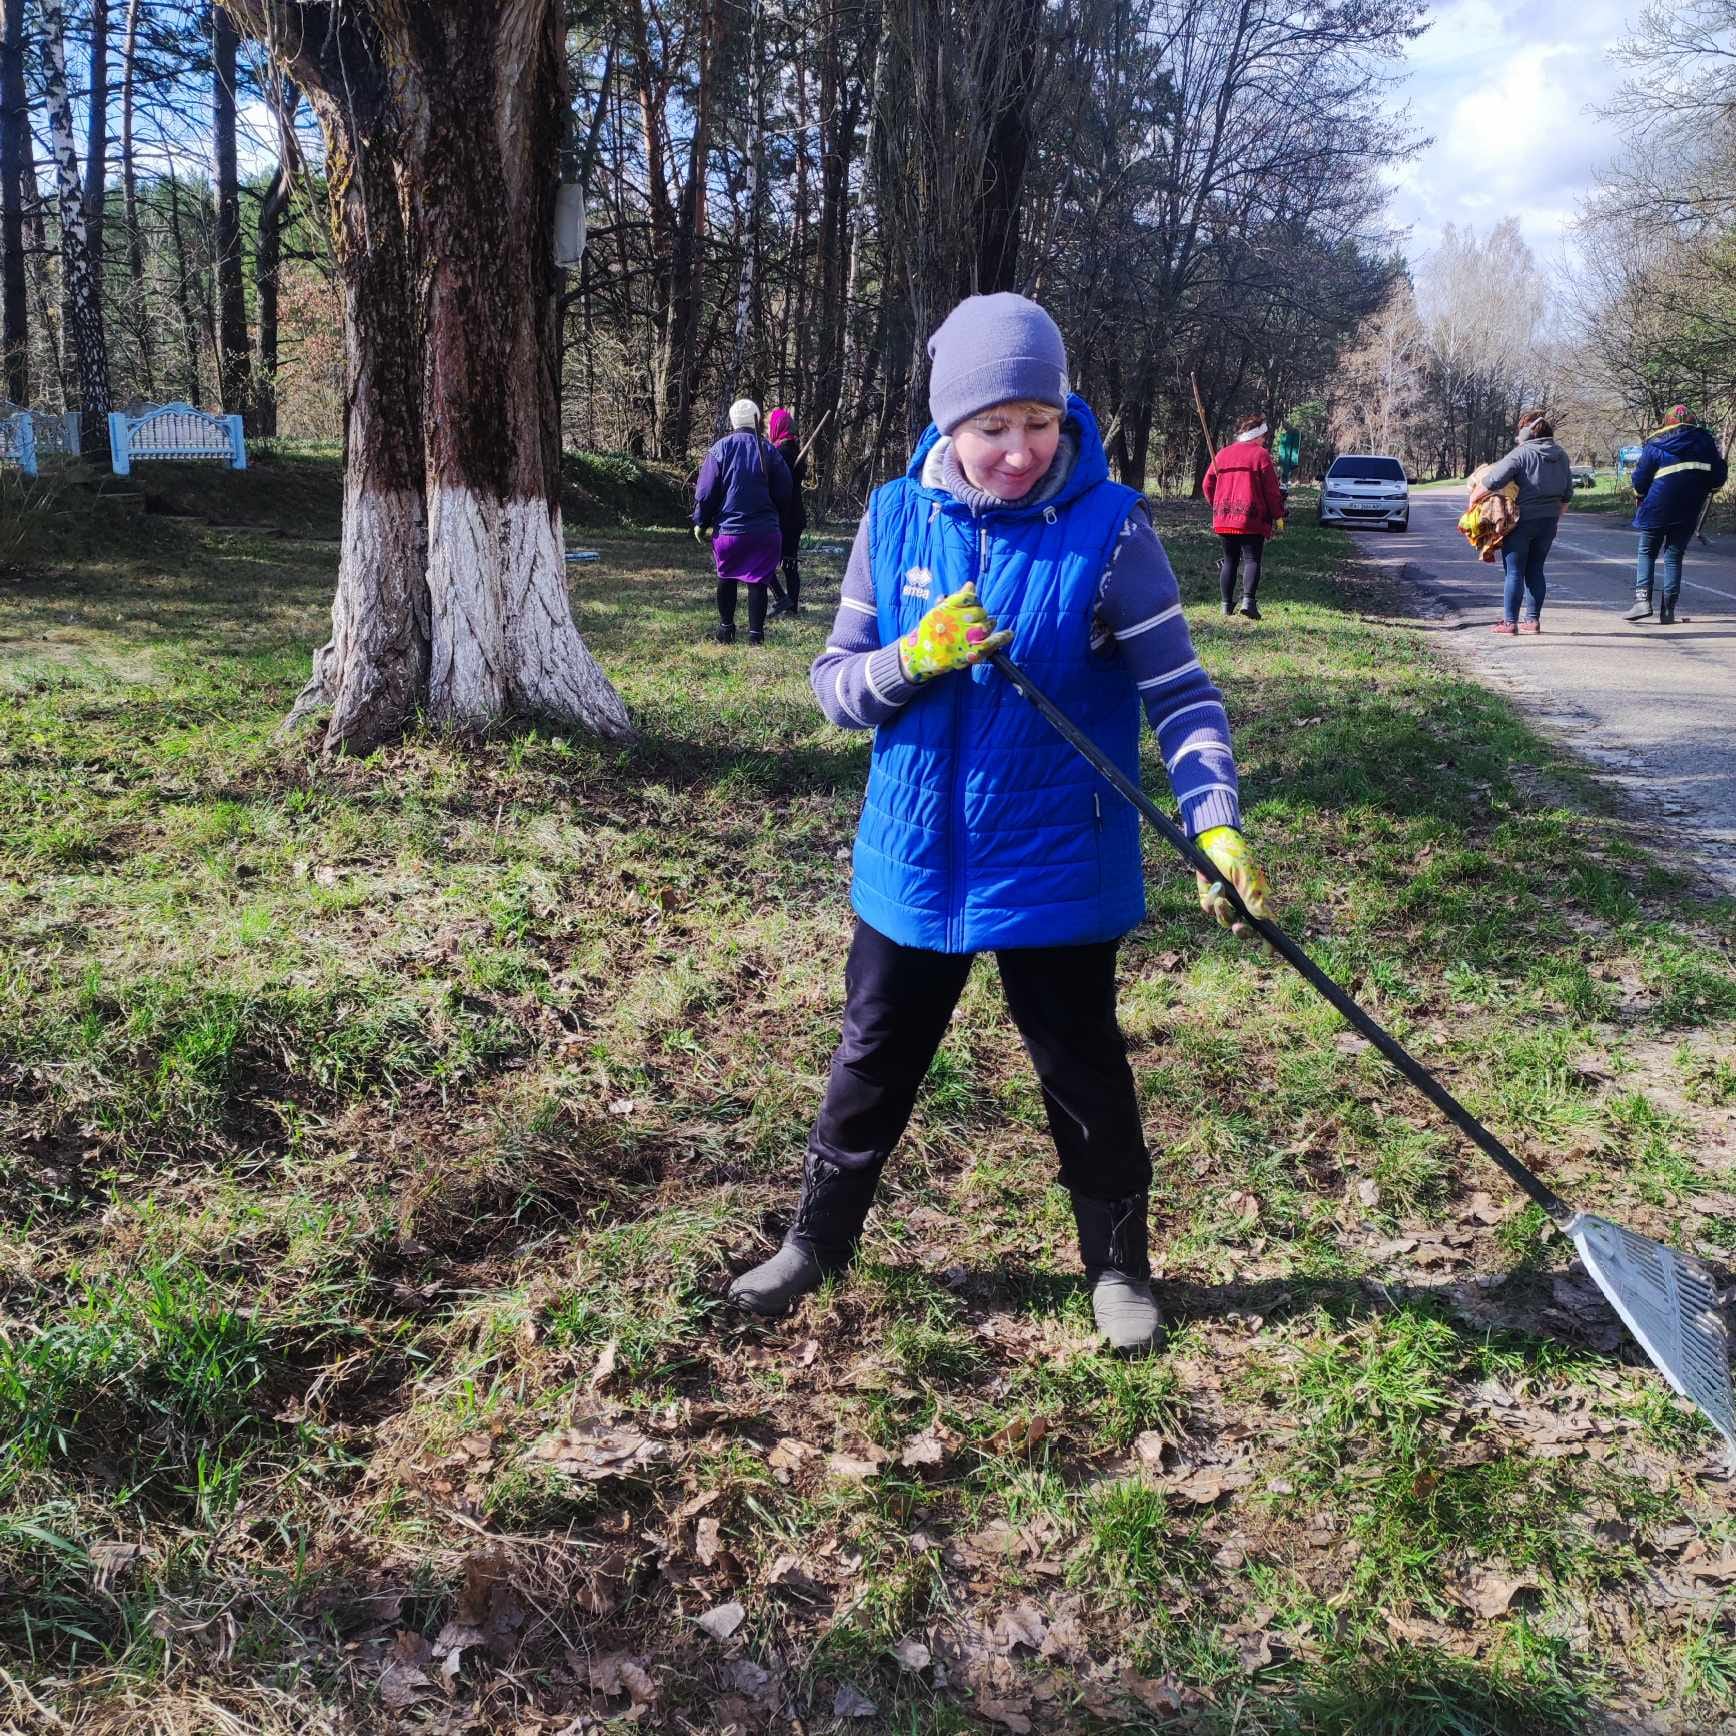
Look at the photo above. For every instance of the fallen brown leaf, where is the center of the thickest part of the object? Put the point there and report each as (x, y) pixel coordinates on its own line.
(1488, 1593)
(851, 1702)
(605, 1365)
(596, 1449)
(911, 1654)
(1208, 1484)
(1011, 1715)
(404, 1680)
(620, 1674)
(707, 1540)
(934, 1446)
(721, 1622)
(1164, 1694)
(1019, 1435)
(851, 1468)
(1023, 1625)
(788, 1574)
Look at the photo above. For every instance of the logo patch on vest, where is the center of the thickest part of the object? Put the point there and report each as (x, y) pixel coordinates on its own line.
(918, 582)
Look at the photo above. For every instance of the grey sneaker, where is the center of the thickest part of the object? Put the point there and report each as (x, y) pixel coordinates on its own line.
(1113, 1248)
(1126, 1313)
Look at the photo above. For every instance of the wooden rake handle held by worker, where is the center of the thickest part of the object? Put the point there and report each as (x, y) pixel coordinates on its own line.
(809, 444)
(1200, 409)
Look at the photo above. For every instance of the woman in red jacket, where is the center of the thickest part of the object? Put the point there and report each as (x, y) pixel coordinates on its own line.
(1247, 506)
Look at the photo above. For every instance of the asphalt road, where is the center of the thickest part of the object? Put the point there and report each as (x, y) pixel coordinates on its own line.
(1654, 707)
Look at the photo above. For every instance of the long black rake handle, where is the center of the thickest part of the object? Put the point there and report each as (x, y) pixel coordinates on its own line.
(1293, 955)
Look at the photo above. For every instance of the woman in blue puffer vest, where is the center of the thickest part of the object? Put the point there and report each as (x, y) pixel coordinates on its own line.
(982, 831)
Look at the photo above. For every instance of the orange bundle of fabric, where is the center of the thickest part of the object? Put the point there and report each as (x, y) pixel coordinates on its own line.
(1485, 525)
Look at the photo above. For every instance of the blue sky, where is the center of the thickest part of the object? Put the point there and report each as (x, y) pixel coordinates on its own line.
(1504, 91)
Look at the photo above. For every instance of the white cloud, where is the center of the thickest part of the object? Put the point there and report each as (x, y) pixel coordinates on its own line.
(1507, 97)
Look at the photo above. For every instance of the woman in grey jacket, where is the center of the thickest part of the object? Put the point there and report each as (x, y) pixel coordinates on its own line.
(1544, 474)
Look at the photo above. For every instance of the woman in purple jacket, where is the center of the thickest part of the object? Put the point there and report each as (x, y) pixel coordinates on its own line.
(743, 492)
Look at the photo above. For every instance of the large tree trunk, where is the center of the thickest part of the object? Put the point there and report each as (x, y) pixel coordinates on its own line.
(185, 307)
(96, 142)
(84, 307)
(680, 353)
(1009, 147)
(374, 670)
(744, 298)
(442, 124)
(489, 82)
(234, 371)
(14, 161)
(138, 301)
(268, 258)
(42, 296)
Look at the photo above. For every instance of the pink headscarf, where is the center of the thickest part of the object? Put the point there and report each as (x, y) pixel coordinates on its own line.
(781, 426)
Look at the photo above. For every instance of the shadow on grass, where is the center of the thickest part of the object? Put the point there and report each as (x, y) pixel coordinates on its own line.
(1518, 1317)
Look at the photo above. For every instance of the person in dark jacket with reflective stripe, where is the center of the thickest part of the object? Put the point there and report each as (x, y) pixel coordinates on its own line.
(1680, 468)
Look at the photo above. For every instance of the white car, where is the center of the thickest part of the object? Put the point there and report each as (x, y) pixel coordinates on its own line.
(1365, 488)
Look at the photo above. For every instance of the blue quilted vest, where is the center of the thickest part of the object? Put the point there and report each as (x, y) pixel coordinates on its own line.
(982, 829)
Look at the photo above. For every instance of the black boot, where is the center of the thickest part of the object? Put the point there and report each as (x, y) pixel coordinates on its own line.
(1667, 612)
(1114, 1248)
(725, 634)
(821, 1240)
(780, 601)
(793, 585)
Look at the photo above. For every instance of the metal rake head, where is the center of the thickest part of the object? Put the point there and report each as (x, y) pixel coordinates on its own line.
(1670, 1305)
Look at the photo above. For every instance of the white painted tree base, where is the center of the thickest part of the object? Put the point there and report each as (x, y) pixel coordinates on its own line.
(502, 639)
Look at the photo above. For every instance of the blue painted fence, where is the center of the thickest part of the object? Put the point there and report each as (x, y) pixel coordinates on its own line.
(18, 441)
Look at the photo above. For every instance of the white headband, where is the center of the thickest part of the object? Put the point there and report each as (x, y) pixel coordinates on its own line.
(1253, 433)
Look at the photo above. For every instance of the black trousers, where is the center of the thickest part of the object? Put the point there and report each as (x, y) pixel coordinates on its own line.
(756, 605)
(898, 1000)
(1248, 552)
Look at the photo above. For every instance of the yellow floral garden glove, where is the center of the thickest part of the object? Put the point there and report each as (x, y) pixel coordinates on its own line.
(954, 634)
(1228, 850)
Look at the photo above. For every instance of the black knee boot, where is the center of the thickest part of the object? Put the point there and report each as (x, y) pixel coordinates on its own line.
(820, 1242)
(793, 586)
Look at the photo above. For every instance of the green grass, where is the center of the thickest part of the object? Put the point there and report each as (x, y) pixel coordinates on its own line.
(364, 1125)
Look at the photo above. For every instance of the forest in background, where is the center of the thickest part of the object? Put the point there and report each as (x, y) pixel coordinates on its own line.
(784, 199)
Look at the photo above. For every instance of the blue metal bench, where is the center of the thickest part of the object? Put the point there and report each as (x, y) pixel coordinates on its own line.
(176, 431)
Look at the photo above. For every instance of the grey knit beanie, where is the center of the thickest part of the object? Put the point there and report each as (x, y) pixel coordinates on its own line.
(744, 413)
(991, 349)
